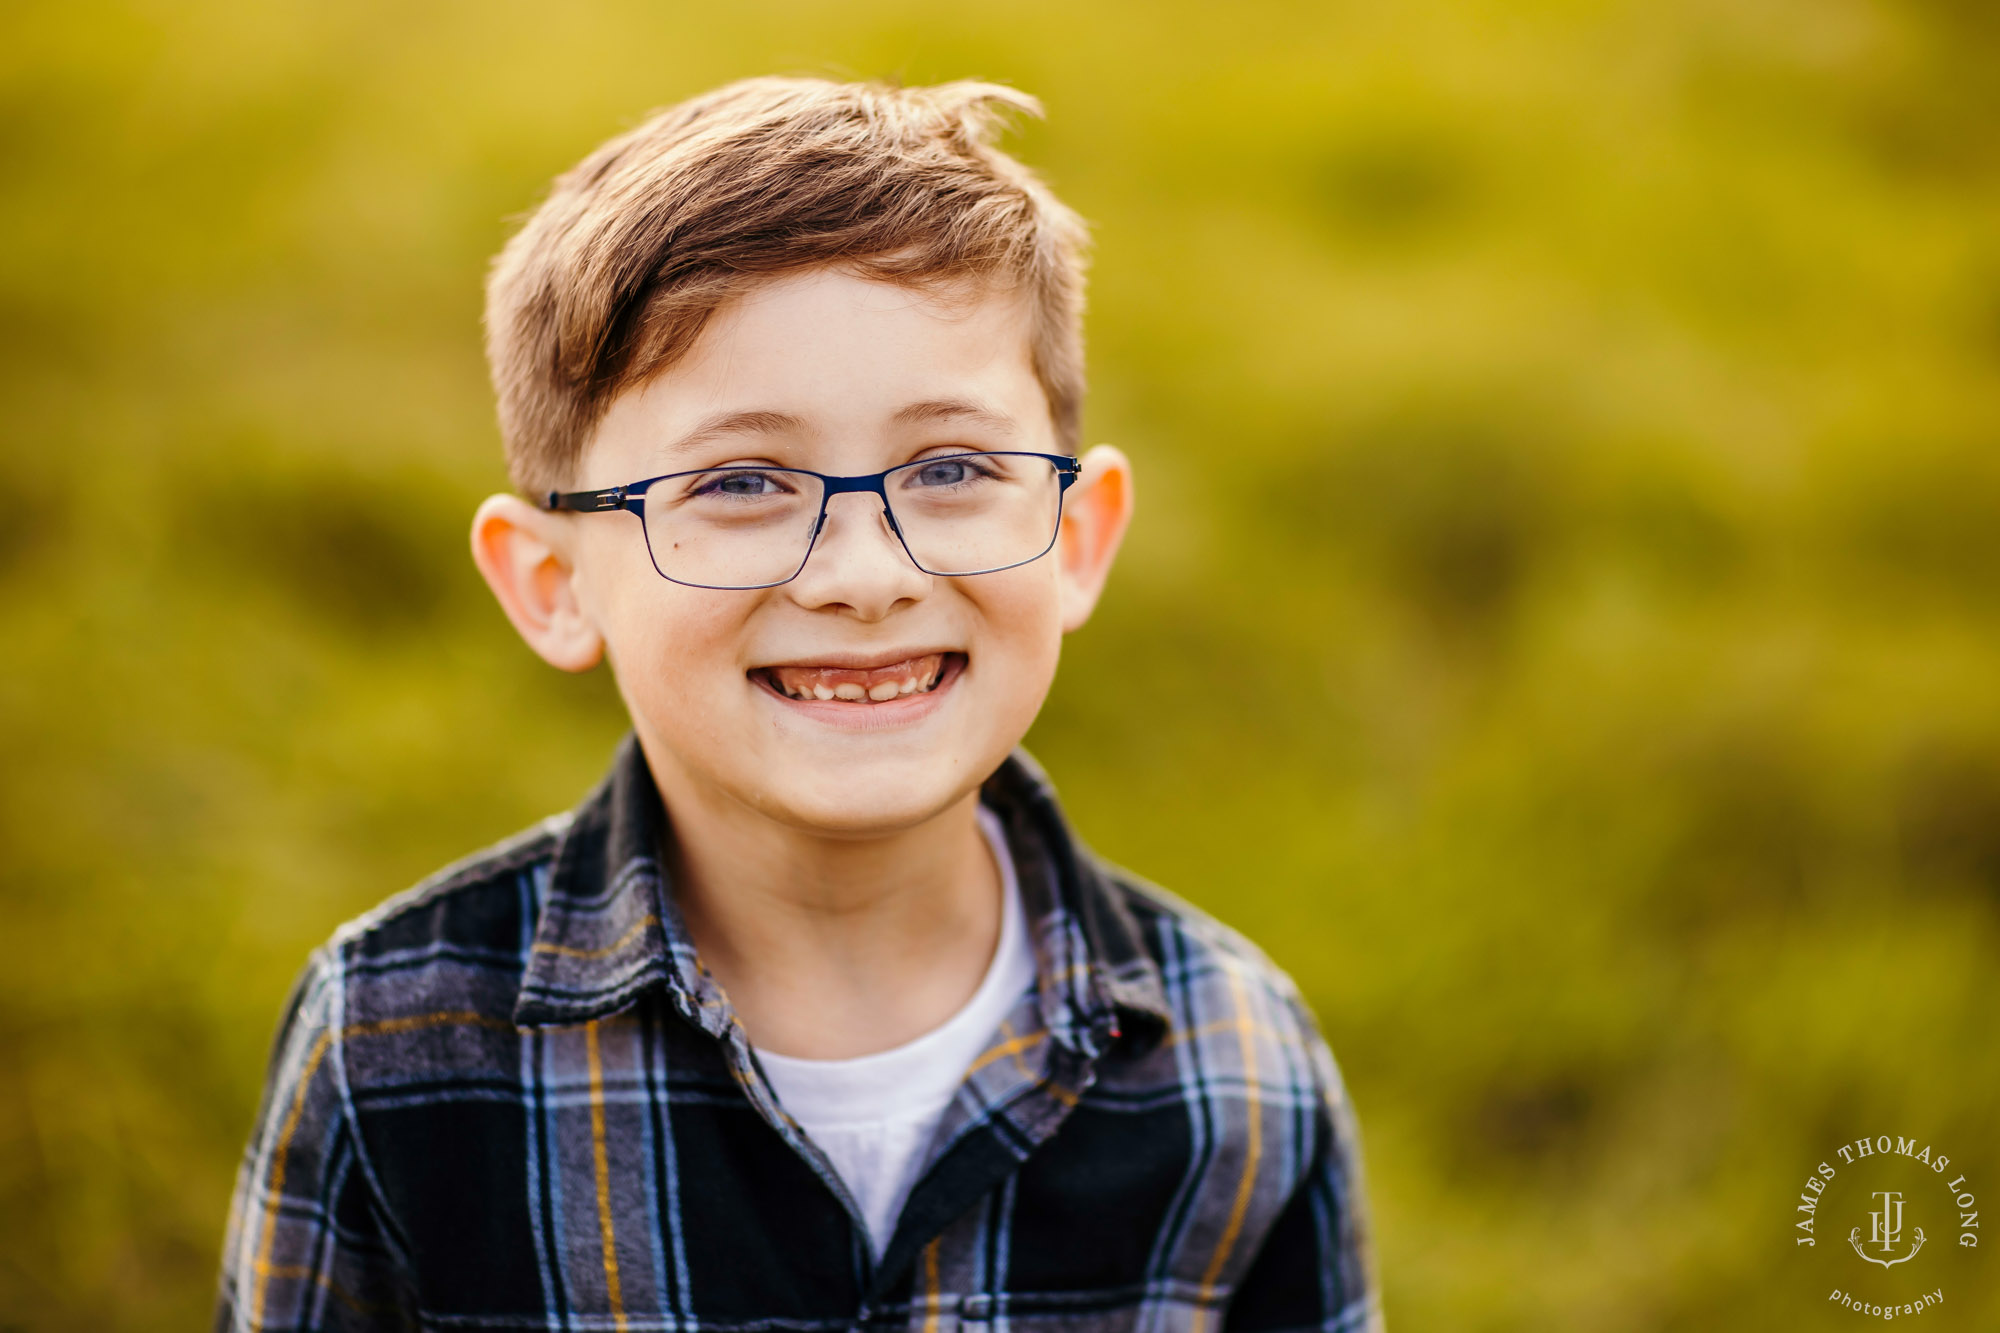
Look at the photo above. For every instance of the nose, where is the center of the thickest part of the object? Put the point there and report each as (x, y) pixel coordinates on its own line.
(858, 562)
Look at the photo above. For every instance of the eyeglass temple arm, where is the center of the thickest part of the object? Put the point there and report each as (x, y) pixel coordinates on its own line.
(590, 502)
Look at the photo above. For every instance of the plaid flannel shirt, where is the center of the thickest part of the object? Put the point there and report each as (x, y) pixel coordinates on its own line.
(514, 1098)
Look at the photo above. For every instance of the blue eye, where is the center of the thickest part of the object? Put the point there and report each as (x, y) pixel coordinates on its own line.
(739, 485)
(946, 472)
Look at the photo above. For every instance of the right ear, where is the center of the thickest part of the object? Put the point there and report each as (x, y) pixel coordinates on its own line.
(524, 554)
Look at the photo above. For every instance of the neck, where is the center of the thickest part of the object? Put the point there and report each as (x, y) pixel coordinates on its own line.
(833, 947)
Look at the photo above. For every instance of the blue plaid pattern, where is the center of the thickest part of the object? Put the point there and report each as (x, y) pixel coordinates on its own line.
(514, 1098)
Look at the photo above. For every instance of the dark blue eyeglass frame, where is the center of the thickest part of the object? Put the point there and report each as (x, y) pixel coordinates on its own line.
(631, 497)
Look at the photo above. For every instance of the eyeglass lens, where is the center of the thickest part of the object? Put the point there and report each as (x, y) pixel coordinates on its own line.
(751, 527)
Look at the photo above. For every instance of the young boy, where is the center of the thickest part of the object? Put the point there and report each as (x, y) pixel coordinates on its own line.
(816, 1015)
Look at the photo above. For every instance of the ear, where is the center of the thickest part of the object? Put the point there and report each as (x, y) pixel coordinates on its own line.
(524, 554)
(1095, 513)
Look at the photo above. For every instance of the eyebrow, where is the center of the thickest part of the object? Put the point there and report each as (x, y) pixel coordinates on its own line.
(954, 409)
(725, 424)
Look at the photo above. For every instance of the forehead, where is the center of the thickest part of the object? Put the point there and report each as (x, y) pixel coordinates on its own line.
(825, 357)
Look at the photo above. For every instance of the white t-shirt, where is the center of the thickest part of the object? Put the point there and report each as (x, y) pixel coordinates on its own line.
(873, 1115)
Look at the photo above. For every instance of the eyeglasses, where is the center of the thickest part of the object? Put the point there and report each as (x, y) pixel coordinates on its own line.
(754, 527)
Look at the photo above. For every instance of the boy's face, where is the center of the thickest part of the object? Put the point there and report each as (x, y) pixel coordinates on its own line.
(835, 374)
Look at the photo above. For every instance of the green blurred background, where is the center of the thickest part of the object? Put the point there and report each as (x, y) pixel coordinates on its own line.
(1560, 623)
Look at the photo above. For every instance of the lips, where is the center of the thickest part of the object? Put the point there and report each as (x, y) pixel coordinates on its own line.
(860, 686)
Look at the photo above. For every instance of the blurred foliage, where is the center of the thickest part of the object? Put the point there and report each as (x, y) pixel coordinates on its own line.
(1561, 623)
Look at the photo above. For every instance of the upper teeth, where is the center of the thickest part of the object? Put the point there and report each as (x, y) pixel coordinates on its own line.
(922, 674)
(878, 692)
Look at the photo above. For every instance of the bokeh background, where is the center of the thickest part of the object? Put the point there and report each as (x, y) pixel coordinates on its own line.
(1561, 622)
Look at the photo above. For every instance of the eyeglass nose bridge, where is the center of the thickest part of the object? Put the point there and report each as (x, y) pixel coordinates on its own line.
(832, 486)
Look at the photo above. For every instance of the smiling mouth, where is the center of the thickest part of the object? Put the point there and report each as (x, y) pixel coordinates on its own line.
(862, 687)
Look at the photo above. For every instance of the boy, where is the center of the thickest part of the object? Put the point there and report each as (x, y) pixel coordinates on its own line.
(816, 1015)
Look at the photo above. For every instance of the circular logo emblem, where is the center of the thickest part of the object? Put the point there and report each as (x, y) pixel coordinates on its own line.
(1889, 1228)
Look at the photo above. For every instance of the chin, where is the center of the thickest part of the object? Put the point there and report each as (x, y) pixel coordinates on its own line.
(861, 824)
(860, 799)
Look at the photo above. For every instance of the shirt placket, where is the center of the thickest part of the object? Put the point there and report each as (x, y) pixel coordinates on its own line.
(1024, 1076)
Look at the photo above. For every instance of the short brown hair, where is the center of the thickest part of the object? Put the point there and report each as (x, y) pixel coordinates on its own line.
(614, 277)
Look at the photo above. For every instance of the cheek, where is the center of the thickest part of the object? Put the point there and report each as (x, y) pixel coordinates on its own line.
(676, 669)
(660, 635)
(1024, 624)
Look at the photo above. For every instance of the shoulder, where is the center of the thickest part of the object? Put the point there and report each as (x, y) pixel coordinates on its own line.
(1214, 975)
(457, 940)
(1187, 939)
(476, 898)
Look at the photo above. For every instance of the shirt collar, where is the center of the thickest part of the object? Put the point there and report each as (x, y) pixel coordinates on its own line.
(609, 928)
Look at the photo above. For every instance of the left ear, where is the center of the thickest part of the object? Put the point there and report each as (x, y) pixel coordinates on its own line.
(1095, 513)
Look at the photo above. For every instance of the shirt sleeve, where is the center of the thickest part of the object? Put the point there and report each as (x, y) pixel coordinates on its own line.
(308, 1245)
(1315, 1270)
